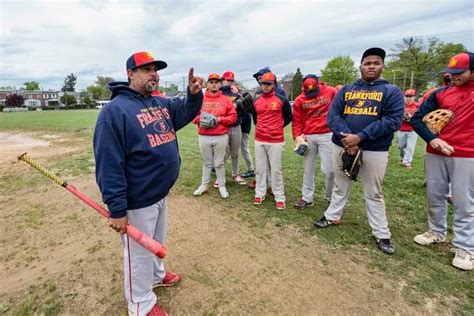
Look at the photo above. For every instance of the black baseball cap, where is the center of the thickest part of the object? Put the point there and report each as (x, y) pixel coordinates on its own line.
(374, 51)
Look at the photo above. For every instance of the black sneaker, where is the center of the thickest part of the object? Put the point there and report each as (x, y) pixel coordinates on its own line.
(248, 174)
(386, 246)
(301, 204)
(323, 222)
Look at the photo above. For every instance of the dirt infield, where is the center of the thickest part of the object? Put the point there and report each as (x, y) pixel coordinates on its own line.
(54, 249)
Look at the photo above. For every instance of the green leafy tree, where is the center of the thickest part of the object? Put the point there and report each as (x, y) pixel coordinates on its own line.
(87, 100)
(31, 86)
(339, 70)
(69, 83)
(420, 60)
(296, 83)
(68, 100)
(14, 100)
(98, 92)
(172, 89)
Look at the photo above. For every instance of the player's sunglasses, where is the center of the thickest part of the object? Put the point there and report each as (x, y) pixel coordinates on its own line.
(410, 96)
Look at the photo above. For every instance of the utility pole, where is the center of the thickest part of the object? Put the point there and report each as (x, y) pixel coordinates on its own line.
(407, 61)
(411, 81)
(184, 78)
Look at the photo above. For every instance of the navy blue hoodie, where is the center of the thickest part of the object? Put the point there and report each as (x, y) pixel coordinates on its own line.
(135, 147)
(372, 110)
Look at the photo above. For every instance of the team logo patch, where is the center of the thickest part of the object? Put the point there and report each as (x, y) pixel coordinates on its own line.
(161, 126)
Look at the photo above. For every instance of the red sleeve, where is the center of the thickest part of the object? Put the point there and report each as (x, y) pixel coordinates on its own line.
(297, 124)
(197, 118)
(231, 114)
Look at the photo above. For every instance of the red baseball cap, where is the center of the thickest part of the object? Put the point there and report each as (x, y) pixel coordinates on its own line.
(310, 82)
(460, 63)
(410, 92)
(214, 76)
(141, 59)
(268, 77)
(228, 75)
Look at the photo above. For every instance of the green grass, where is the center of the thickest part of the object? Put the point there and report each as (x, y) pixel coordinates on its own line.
(426, 270)
(71, 120)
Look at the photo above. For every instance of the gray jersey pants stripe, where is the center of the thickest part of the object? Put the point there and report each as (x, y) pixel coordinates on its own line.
(235, 138)
(142, 268)
(318, 143)
(245, 149)
(372, 172)
(406, 145)
(213, 152)
(269, 155)
(440, 171)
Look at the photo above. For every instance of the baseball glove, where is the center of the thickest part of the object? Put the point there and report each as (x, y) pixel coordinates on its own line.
(407, 116)
(351, 164)
(436, 120)
(207, 120)
(301, 146)
(246, 101)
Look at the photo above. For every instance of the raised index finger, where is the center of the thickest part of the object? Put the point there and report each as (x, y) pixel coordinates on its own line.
(191, 74)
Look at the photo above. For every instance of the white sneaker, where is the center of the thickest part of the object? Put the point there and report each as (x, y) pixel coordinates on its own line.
(428, 238)
(463, 259)
(201, 190)
(224, 193)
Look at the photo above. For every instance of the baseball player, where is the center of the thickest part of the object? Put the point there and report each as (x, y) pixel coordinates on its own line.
(365, 115)
(450, 158)
(235, 131)
(137, 162)
(406, 136)
(278, 90)
(310, 110)
(272, 112)
(213, 140)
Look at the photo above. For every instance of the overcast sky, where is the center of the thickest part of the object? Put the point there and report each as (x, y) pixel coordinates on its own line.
(44, 40)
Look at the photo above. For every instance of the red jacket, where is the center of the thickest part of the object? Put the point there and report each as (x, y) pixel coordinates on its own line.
(309, 114)
(460, 130)
(411, 109)
(272, 112)
(220, 106)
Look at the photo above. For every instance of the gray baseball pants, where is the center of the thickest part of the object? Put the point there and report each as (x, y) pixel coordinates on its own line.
(141, 268)
(235, 138)
(318, 143)
(269, 155)
(406, 145)
(213, 151)
(440, 171)
(372, 172)
(245, 149)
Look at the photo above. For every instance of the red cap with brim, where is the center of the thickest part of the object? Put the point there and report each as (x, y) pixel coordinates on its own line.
(214, 77)
(228, 75)
(460, 63)
(268, 77)
(141, 59)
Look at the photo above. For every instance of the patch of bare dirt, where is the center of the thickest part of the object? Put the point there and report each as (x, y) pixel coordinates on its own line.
(227, 266)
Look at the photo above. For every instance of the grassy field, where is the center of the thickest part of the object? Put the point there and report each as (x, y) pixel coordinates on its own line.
(427, 271)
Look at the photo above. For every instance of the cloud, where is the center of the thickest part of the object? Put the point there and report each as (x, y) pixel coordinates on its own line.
(45, 40)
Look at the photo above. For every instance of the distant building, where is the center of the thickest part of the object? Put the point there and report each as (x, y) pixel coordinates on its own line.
(33, 99)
